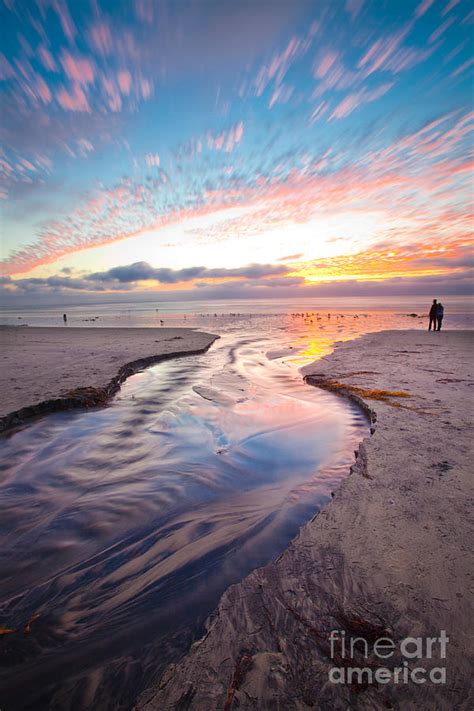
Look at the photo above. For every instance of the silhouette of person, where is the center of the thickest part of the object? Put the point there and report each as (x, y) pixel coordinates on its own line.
(439, 315)
(64, 318)
(433, 315)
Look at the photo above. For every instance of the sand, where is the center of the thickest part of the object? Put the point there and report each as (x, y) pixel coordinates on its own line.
(47, 369)
(391, 555)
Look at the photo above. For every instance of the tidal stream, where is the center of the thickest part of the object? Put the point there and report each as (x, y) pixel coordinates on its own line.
(121, 527)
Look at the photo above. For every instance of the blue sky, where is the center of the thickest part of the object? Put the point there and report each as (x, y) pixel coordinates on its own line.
(208, 134)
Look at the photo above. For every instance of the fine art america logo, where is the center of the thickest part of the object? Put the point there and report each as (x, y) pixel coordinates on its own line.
(379, 656)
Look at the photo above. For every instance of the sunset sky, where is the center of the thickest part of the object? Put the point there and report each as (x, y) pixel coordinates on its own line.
(235, 148)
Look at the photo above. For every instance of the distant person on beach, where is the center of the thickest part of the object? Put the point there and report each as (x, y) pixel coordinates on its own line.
(439, 315)
(433, 315)
(65, 318)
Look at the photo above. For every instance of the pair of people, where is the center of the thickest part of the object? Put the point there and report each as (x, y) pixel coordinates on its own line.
(436, 315)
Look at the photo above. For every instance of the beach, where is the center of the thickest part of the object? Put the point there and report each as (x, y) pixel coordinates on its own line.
(389, 556)
(49, 369)
(122, 525)
(204, 469)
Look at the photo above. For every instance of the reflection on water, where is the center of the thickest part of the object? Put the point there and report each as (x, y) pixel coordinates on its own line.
(121, 527)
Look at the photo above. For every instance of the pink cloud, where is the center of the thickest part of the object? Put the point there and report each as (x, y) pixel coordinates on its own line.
(441, 30)
(146, 88)
(463, 68)
(43, 90)
(320, 109)
(43, 161)
(114, 100)
(144, 10)
(352, 101)
(354, 7)
(423, 7)
(6, 69)
(380, 52)
(451, 4)
(219, 142)
(74, 100)
(47, 59)
(407, 57)
(100, 38)
(281, 95)
(239, 132)
(387, 54)
(84, 146)
(77, 68)
(226, 140)
(67, 24)
(124, 79)
(325, 64)
(346, 106)
(152, 160)
(281, 62)
(5, 167)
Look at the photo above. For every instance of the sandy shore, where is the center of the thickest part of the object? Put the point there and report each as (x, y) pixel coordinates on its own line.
(391, 555)
(47, 369)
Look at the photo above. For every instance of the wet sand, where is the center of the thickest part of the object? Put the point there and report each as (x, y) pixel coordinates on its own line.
(122, 526)
(391, 555)
(47, 369)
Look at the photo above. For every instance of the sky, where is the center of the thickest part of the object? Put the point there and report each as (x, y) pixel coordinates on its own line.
(195, 149)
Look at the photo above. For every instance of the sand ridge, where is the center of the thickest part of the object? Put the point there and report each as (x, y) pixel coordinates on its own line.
(41, 366)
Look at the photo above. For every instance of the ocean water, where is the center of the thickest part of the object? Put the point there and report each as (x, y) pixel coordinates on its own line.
(459, 311)
(311, 327)
(122, 526)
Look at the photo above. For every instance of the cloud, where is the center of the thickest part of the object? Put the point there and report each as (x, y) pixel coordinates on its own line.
(6, 69)
(462, 68)
(436, 34)
(227, 140)
(145, 10)
(450, 6)
(381, 51)
(100, 38)
(126, 279)
(142, 271)
(79, 85)
(112, 93)
(325, 63)
(43, 90)
(423, 7)
(47, 59)
(152, 160)
(354, 7)
(124, 79)
(27, 292)
(290, 257)
(414, 182)
(74, 100)
(353, 101)
(78, 69)
(65, 19)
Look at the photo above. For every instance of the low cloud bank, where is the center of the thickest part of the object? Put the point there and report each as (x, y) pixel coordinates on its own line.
(127, 283)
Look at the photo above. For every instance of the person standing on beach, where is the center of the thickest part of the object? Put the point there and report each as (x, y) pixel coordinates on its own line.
(433, 315)
(65, 318)
(439, 315)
